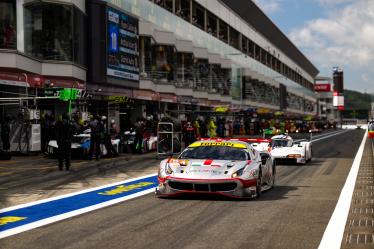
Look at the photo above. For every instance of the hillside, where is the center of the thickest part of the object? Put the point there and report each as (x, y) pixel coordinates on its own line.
(357, 101)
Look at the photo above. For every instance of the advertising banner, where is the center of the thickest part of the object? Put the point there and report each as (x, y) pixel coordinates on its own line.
(322, 87)
(122, 45)
(338, 101)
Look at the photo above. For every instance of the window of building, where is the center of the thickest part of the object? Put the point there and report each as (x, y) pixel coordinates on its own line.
(278, 65)
(163, 62)
(244, 44)
(263, 56)
(166, 4)
(8, 24)
(268, 59)
(183, 9)
(257, 53)
(185, 72)
(212, 25)
(251, 47)
(198, 16)
(55, 32)
(216, 78)
(201, 74)
(223, 31)
(145, 55)
(234, 38)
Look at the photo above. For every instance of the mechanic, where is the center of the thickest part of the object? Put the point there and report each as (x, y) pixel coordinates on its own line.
(189, 134)
(64, 134)
(211, 128)
(107, 138)
(113, 130)
(139, 133)
(96, 131)
(5, 133)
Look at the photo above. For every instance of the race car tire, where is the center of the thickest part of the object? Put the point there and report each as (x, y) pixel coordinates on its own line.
(311, 154)
(306, 158)
(259, 185)
(273, 176)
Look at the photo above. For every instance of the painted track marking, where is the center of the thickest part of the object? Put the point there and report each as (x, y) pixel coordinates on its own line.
(333, 234)
(44, 220)
(24, 217)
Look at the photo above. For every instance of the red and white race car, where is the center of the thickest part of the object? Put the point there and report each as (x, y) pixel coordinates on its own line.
(217, 166)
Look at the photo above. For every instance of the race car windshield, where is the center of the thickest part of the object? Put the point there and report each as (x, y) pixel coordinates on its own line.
(279, 143)
(215, 153)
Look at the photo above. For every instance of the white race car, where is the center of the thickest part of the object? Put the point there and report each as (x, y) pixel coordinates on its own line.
(224, 167)
(284, 149)
(80, 144)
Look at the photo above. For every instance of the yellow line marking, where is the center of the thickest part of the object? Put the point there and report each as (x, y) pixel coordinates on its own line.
(10, 219)
(5, 173)
(8, 162)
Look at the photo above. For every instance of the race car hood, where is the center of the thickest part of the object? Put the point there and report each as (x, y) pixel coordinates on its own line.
(205, 169)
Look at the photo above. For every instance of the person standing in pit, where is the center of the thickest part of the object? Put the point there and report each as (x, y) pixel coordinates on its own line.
(189, 134)
(64, 135)
(5, 133)
(96, 130)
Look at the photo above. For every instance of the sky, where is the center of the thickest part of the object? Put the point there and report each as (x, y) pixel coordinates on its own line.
(330, 33)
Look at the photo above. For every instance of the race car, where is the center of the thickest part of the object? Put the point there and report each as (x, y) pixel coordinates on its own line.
(283, 149)
(80, 145)
(259, 144)
(224, 167)
(371, 130)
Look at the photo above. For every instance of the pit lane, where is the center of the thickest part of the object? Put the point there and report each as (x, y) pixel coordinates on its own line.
(292, 215)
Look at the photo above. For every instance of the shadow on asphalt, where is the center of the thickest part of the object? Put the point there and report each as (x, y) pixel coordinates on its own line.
(278, 192)
(314, 163)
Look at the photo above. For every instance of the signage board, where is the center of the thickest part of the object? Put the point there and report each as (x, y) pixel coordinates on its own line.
(118, 99)
(322, 87)
(122, 45)
(338, 101)
(68, 94)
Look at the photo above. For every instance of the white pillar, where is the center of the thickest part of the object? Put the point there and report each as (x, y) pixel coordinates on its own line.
(20, 26)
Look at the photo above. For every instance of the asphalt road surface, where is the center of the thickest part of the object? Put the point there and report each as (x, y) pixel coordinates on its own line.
(294, 214)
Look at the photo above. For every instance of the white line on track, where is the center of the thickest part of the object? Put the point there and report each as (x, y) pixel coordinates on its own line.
(329, 135)
(323, 136)
(333, 235)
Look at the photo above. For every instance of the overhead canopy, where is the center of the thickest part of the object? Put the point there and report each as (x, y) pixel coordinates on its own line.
(184, 46)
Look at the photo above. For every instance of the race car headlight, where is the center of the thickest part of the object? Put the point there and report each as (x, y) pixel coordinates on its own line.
(294, 156)
(168, 170)
(237, 173)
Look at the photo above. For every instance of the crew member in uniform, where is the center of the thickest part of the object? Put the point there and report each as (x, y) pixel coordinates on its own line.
(64, 134)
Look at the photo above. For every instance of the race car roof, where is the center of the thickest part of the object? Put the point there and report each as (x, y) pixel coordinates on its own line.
(285, 137)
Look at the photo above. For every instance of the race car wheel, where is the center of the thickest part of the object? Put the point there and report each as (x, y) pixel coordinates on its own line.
(306, 158)
(273, 175)
(311, 154)
(259, 185)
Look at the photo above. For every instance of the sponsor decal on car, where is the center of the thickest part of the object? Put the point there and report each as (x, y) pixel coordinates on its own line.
(228, 144)
(213, 172)
(178, 162)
